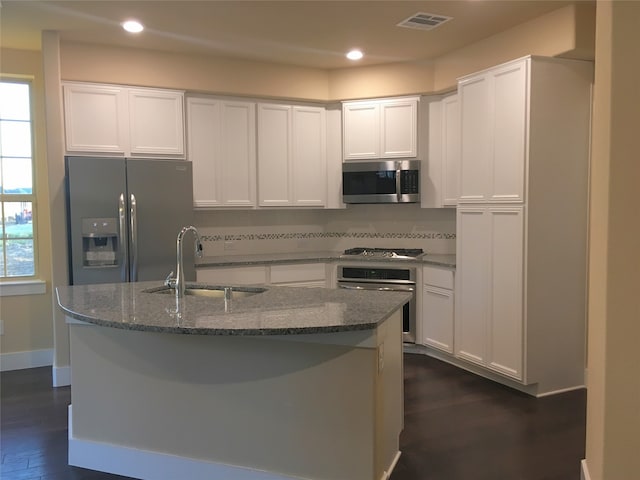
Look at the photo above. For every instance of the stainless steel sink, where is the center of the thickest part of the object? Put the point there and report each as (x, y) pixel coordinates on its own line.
(211, 291)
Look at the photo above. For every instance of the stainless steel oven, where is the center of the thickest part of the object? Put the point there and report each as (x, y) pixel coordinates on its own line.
(385, 278)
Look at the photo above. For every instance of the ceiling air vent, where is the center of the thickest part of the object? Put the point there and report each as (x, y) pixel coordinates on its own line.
(424, 21)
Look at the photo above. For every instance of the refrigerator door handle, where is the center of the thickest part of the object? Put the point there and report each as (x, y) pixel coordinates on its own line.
(133, 215)
(122, 243)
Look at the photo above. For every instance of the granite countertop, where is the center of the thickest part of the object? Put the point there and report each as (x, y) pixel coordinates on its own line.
(310, 257)
(276, 311)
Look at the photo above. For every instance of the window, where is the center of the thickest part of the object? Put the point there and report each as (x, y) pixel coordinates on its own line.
(17, 199)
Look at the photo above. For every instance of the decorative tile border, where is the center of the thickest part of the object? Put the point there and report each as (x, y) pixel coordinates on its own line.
(311, 235)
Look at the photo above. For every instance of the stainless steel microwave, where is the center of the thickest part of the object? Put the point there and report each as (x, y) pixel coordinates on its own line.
(381, 181)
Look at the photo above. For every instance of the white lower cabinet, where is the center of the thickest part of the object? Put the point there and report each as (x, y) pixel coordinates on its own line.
(299, 275)
(437, 308)
(289, 275)
(232, 275)
(489, 313)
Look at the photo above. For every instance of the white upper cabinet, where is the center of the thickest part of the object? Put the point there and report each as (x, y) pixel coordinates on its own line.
(450, 150)
(494, 114)
(361, 130)
(222, 147)
(291, 155)
(274, 155)
(124, 121)
(439, 174)
(156, 122)
(380, 129)
(309, 166)
(96, 118)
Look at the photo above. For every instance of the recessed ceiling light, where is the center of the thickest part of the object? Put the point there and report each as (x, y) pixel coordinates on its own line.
(355, 55)
(132, 26)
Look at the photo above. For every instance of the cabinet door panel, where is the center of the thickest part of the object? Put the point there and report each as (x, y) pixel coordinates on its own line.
(477, 134)
(238, 154)
(274, 155)
(471, 312)
(95, 118)
(510, 113)
(309, 156)
(156, 122)
(437, 318)
(506, 320)
(361, 131)
(232, 275)
(204, 150)
(399, 127)
(451, 144)
(294, 273)
(221, 140)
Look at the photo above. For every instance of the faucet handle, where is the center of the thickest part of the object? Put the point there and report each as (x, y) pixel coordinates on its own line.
(170, 281)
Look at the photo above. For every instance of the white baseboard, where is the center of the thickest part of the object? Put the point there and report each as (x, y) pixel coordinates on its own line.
(584, 471)
(561, 390)
(26, 359)
(145, 464)
(386, 475)
(61, 376)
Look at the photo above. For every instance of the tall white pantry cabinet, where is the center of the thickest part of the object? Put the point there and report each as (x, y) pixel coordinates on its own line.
(522, 222)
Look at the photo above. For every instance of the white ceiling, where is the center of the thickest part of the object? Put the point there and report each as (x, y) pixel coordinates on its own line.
(303, 32)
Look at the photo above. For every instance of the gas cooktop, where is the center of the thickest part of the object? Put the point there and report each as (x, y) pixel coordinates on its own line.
(399, 253)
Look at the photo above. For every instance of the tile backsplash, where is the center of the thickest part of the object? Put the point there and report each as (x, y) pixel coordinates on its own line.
(279, 231)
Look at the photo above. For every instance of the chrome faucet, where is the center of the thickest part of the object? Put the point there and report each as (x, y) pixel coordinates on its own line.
(178, 282)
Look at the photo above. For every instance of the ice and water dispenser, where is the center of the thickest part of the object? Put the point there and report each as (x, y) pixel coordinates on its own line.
(99, 242)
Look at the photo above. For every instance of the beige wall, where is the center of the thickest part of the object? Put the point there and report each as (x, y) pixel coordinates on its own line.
(27, 318)
(94, 63)
(565, 32)
(613, 402)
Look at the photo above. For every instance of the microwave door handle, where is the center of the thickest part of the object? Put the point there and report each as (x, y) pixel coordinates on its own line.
(398, 185)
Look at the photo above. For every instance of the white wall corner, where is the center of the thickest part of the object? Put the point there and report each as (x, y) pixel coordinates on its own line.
(26, 359)
(61, 376)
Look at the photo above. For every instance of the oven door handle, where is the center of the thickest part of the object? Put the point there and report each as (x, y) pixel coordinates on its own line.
(379, 289)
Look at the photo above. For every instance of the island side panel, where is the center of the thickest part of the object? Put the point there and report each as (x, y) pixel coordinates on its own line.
(389, 394)
(300, 409)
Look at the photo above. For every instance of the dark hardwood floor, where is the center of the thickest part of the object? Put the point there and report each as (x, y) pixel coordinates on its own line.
(457, 426)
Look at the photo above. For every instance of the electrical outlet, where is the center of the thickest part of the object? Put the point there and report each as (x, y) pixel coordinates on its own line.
(229, 245)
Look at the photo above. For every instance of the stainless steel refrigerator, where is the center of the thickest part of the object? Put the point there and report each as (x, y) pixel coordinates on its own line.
(124, 216)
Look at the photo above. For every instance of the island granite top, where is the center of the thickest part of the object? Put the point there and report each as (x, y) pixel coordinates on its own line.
(443, 260)
(276, 311)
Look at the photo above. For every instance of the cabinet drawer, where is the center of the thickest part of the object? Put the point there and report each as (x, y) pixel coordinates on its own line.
(438, 277)
(232, 275)
(296, 273)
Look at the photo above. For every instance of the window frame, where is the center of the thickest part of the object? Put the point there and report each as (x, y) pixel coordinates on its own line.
(22, 280)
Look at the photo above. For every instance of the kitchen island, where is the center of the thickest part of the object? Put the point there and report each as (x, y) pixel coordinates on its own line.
(290, 383)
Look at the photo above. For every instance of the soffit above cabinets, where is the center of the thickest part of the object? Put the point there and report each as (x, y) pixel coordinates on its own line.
(311, 33)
